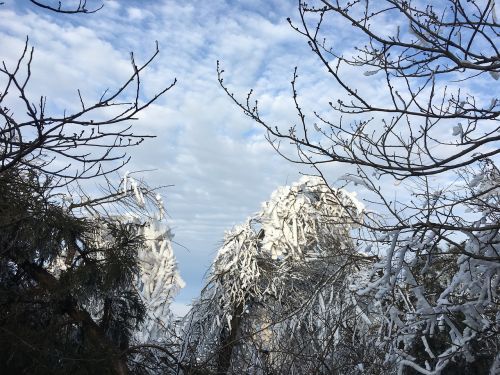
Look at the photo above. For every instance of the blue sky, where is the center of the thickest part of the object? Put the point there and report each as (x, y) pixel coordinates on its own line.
(218, 160)
(221, 166)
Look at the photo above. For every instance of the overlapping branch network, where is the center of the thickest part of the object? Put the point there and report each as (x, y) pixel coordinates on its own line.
(418, 65)
(86, 142)
(415, 125)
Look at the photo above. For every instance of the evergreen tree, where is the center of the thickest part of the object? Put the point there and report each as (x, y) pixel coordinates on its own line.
(72, 299)
(77, 316)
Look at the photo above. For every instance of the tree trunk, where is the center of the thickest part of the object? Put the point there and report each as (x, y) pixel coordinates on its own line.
(228, 343)
(90, 328)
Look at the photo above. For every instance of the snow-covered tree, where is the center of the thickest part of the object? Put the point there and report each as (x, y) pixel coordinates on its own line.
(415, 126)
(275, 283)
(440, 298)
(140, 210)
(158, 279)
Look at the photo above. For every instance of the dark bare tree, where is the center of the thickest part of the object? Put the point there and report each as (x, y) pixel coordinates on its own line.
(88, 139)
(57, 6)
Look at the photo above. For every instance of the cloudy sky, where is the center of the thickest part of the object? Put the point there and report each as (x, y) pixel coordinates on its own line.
(221, 166)
(218, 161)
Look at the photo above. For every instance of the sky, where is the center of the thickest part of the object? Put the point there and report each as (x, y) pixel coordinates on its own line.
(217, 160)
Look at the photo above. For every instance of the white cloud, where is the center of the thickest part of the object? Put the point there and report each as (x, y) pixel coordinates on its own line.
(217, 158)
(135, 14)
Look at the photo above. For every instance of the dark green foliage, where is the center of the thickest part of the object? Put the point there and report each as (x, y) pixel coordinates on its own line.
(77, 319)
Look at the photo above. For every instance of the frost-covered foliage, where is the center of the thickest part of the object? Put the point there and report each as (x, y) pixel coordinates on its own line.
(439, 290)
(278, 286)
(297, 215)
(290, 291)
(158, 281)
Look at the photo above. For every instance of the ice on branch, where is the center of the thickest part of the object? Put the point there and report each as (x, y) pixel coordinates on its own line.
(294, 252)
(158, 281)
(141, 210)
(296, 215)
